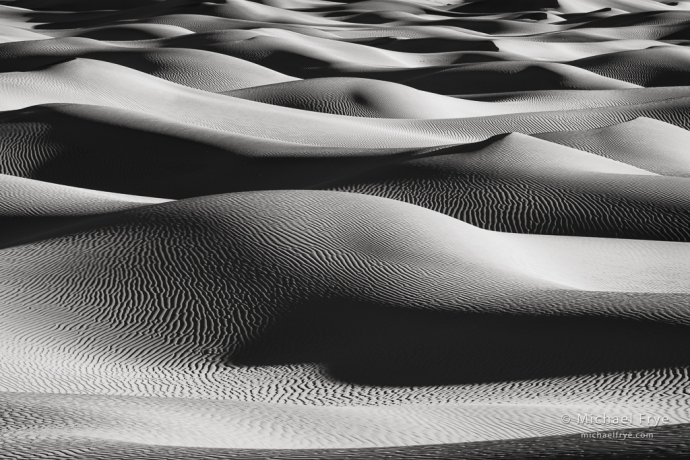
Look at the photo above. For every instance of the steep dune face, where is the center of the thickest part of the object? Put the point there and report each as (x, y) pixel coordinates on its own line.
(310, 229)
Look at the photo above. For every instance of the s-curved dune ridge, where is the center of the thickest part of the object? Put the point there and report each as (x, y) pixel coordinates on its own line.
(374, 229)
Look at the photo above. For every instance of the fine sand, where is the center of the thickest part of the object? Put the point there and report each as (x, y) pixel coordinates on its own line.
(310, 229)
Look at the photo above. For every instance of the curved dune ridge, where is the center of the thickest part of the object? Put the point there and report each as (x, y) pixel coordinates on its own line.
(312, 229)
(30, 208)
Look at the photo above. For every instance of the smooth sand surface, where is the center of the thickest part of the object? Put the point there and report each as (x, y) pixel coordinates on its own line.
(309, 229)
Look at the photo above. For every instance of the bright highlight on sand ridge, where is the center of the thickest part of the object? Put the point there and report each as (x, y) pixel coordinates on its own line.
(315, 229)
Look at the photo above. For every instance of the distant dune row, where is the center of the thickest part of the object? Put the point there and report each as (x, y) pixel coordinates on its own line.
(314, 229)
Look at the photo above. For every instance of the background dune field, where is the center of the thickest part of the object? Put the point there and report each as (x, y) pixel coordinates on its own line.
(315, 229)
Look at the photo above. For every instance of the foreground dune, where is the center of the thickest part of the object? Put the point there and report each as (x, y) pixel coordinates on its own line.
(388, 346)
(308, 229)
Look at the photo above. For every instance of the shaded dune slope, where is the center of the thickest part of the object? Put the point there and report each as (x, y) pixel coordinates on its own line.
(32, 208)
(510, 76)
(139, 154)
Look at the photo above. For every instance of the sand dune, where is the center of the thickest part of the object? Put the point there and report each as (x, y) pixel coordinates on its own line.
(664, 445)
(651, 67)
(10, 34)
(578, 182)
(198, 161)
(85, 81)
(132, 149)
(501, 76)
(312, 229)
(130, 32)
(26, 198)
(363, 98)
(193, 68)
(644, 143)
(569, 193)
(561, 100)
(218, 245)
(32, 209)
